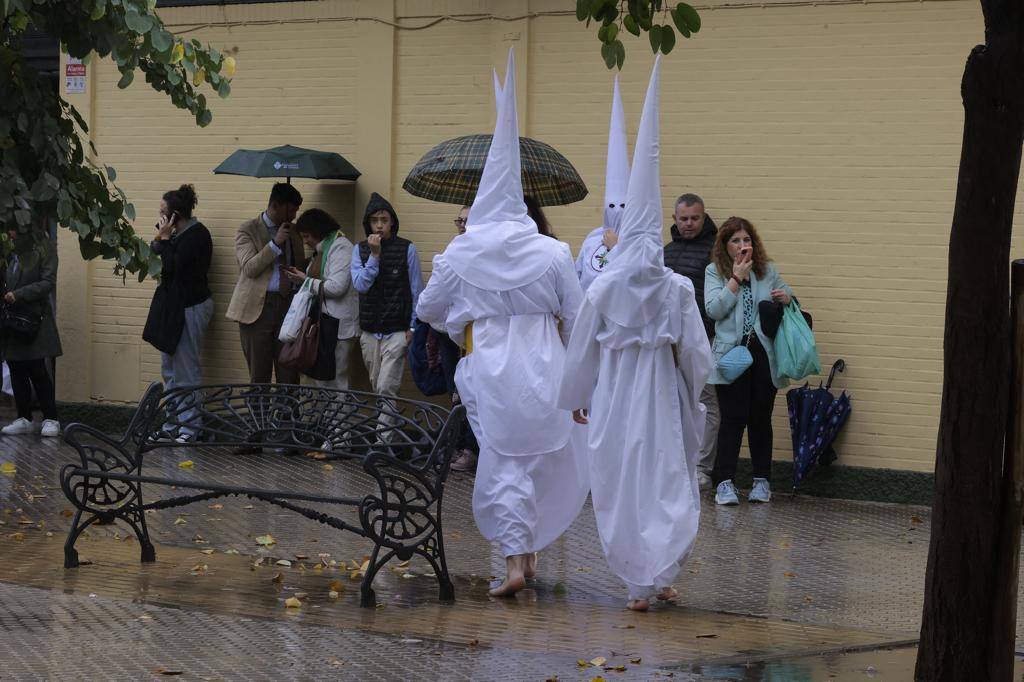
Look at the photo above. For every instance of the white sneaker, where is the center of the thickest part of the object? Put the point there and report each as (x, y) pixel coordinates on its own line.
(703, 481)
(725, 494)
(20, 426)
(761, 491)
(51, 428)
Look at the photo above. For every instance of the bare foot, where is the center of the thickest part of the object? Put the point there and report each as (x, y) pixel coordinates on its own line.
(530, 569)
(514, 580)
(638, 605)
(668, 593)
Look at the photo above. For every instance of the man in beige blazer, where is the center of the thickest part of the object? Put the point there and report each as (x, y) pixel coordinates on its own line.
(264, 247)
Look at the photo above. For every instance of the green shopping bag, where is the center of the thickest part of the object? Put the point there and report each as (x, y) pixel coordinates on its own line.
(796, 353)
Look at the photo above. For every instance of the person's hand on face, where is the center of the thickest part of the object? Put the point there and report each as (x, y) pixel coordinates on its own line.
(168, 219)
(742, 265)
(284, 233)
(609, 239)
(374, 242)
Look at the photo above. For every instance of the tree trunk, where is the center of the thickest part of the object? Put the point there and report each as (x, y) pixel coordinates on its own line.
(963, 637)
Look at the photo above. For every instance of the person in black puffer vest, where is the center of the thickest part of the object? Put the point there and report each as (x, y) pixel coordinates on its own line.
(386, 273)
(693, 234)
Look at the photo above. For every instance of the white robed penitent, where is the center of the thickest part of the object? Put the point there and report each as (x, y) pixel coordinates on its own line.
(638, 359)
(516, 293)
(593, 255)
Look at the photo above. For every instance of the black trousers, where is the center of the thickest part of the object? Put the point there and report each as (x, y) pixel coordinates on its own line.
(746, 403)
(450, 356)
(29, 374)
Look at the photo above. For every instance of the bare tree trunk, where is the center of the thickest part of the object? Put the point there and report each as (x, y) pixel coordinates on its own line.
(963, 637)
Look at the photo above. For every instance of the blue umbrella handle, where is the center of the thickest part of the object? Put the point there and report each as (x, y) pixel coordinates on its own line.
(838, 366)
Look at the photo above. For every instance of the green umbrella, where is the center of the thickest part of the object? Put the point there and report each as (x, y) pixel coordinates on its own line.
(450, 172)
(288, 162)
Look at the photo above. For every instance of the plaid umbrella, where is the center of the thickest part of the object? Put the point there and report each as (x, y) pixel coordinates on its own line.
(288, 162)
(450, 172)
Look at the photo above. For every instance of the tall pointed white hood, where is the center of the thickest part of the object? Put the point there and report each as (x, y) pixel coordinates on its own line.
(633, 289)
(501, 249)
(616, 171)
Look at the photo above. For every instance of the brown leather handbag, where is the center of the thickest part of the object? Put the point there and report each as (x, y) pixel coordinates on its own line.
(301, 353)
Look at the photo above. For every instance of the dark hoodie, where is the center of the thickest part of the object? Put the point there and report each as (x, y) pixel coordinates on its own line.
(387, 307)
(689, 257)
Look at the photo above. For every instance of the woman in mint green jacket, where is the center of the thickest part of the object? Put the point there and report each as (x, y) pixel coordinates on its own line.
(738, 278)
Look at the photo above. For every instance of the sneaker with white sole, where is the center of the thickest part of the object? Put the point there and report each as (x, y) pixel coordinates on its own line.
(51, 428)
(19, 427)
(725, 494)
(761, 491)
(703, 481)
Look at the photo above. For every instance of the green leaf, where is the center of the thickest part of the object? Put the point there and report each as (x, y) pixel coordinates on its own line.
(162, 40)
(204, 117)
(98, 10)
(129, 211)
(126, 79)
(224, 89)
(582, 10)
(668, 39)
(64, 209)
(140, 23)
(620, 53)
(689, 16)
(613, 31)
(654, 35)
(602, 34)
(630, 23)
(680, 23)
(608, 55)
(111, 173)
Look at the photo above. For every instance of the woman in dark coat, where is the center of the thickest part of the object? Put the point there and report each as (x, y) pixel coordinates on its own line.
(29, 283)
(182, 305)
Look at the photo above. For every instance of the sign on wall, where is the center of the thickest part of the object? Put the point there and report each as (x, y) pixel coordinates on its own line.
(74, 76)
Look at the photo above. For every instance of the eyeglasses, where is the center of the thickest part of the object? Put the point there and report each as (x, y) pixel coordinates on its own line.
(459, 222)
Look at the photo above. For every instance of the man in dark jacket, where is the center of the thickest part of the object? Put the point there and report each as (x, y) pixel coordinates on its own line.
(386, 273)
(689, 252)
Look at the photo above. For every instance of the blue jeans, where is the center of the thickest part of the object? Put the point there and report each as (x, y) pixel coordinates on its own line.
(182, 368)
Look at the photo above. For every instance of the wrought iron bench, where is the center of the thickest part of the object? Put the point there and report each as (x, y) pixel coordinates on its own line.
(403, 446)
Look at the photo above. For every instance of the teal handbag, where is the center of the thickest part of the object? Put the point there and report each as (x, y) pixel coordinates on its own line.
(735, 362)
(796, 353)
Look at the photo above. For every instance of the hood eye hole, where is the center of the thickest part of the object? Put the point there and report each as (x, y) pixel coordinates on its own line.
(622, 206)
(611, 205)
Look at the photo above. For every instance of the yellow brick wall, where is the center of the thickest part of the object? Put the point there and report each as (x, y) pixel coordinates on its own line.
(834, 128)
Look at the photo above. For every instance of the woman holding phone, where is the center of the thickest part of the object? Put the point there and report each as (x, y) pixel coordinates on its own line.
(738, 278)
(182, 305)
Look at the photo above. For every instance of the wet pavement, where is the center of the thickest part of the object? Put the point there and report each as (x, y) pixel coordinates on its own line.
(800, 589)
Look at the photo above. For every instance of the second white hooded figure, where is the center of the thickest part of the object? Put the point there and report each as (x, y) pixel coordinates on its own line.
(594, 253)
(638, 359)
(509, 295)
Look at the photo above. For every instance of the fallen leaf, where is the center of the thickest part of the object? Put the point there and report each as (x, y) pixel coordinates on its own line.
(553, 678)
(216, 507)
(597, 679)
(403, 564)
(231, 551)
(278, 578)
(300, 557)
(328, 467)
(180, 521)
(706, 636)
(283, 562)
(558, 590)
(248, 506)
(187, 464)
(598, 662)
(206, 551)
(380, 605)
(408, 575)
(17, 537)
(265, 540)
(333, 594)
(67, 513)
(49, 534)
(334, 662)
(318, 455)
(336, 586)
(7, 468)
(635, 661)
(616, 668)
(292, 603)
(626, 627)
(915, 519)
(473, 642)
(165, 671)
(789, 574)
(300, 595)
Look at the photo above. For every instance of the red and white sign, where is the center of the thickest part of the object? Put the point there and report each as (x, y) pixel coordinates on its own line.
(74, 75)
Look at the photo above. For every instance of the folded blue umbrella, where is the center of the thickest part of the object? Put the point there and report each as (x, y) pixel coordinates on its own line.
(815, 419)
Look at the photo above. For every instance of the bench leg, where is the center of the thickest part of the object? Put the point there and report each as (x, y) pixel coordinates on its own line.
(433, 551)
(367, 597)
(70, 553)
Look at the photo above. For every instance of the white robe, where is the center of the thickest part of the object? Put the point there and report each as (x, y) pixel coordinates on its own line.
(531, 479)
(646, 426)
(592, 258)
